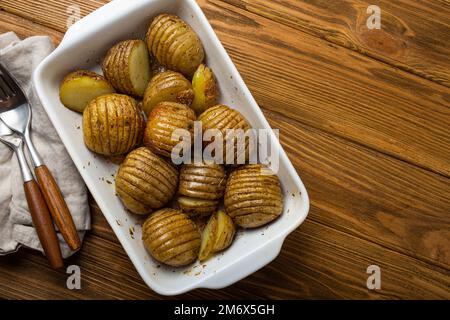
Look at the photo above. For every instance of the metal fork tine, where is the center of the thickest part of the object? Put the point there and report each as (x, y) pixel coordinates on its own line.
(5, 87)
(10, 82)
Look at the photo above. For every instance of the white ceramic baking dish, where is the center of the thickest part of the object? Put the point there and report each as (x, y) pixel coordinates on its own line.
(83, 46)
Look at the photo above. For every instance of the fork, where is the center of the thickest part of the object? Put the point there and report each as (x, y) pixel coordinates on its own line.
(36, 203)
(15, 112)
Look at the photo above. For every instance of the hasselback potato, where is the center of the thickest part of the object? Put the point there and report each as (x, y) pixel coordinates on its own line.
(253, 196)
(145, 182)
(205, 89)
(217, 235)
(201, 187)
(80, 87)
(112, 124)
(174, 44)
(163, 120)
(167, 86)
(127, 67)
(171, 237)
(222, 117)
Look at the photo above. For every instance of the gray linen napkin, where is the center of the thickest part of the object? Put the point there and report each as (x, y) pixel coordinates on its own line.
(16, 229)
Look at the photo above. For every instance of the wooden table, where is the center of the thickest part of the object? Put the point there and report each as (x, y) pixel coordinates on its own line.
(365, 118)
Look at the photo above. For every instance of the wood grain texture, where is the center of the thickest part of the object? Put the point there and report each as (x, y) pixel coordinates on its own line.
(58, 207)
(337, 90)
(376, 169)
(333, 88)
(414, 35)
(316, 262)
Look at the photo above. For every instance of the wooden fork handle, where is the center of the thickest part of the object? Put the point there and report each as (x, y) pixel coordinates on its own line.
(58, 207)
(43, 224)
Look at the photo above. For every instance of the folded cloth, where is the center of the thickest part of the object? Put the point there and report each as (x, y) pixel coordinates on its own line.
(16, 228)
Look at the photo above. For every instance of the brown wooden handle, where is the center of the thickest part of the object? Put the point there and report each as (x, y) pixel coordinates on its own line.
(58, 207)
(43, 224)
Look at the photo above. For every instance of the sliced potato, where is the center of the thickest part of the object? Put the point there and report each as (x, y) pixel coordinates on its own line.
(171, 237)
(225, 232)
(112, 124)
(163, 121)
(80, 87)
(197, 207)
(262, 201)
(174, 44)
(208, 238)
(145, 182)
(168, 86)
(205, 89)
(223, 118)
(127, 67)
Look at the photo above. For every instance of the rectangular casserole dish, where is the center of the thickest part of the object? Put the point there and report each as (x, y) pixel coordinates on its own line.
(83, 47)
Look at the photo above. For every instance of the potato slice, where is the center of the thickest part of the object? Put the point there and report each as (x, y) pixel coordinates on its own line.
(225, 232)
(127, 67)
(208, 238)
(80, 87)
(205, 89)
(197, 207)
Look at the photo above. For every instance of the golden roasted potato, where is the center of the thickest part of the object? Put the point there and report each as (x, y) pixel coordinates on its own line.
(168, 86)
(78, 88)
(127, 67)
(222, 117)
(164, 119)
(205, 89)
(171, 237)
(201, 187)
(174, 44)
(208, 239)
(145, 182)
(253, 196)
(112, 124)
(225, 231)
(217, 235)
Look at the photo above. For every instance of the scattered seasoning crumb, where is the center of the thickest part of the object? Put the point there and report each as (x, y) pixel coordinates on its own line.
(132, 232)
(84, 167)
(158, 266)
(119, 223)
(89, 163)
(108, 182)
(293, 194)
(198, 273)
(78, 127)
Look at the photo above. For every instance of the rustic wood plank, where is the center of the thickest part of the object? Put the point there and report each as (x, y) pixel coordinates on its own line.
(333, 88)
(316, 262)
(414, 35)
(371, 195)
(343, 200)
(25, 28)
(337, 90)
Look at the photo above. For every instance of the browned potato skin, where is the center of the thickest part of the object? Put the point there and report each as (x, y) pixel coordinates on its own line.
(174, 44)
(171, 237)
(262, 201)
(116, 66)
(112, 124)
(229, 119)
(201, 187)
(163, 120)
(145, 182)
(168, 86)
